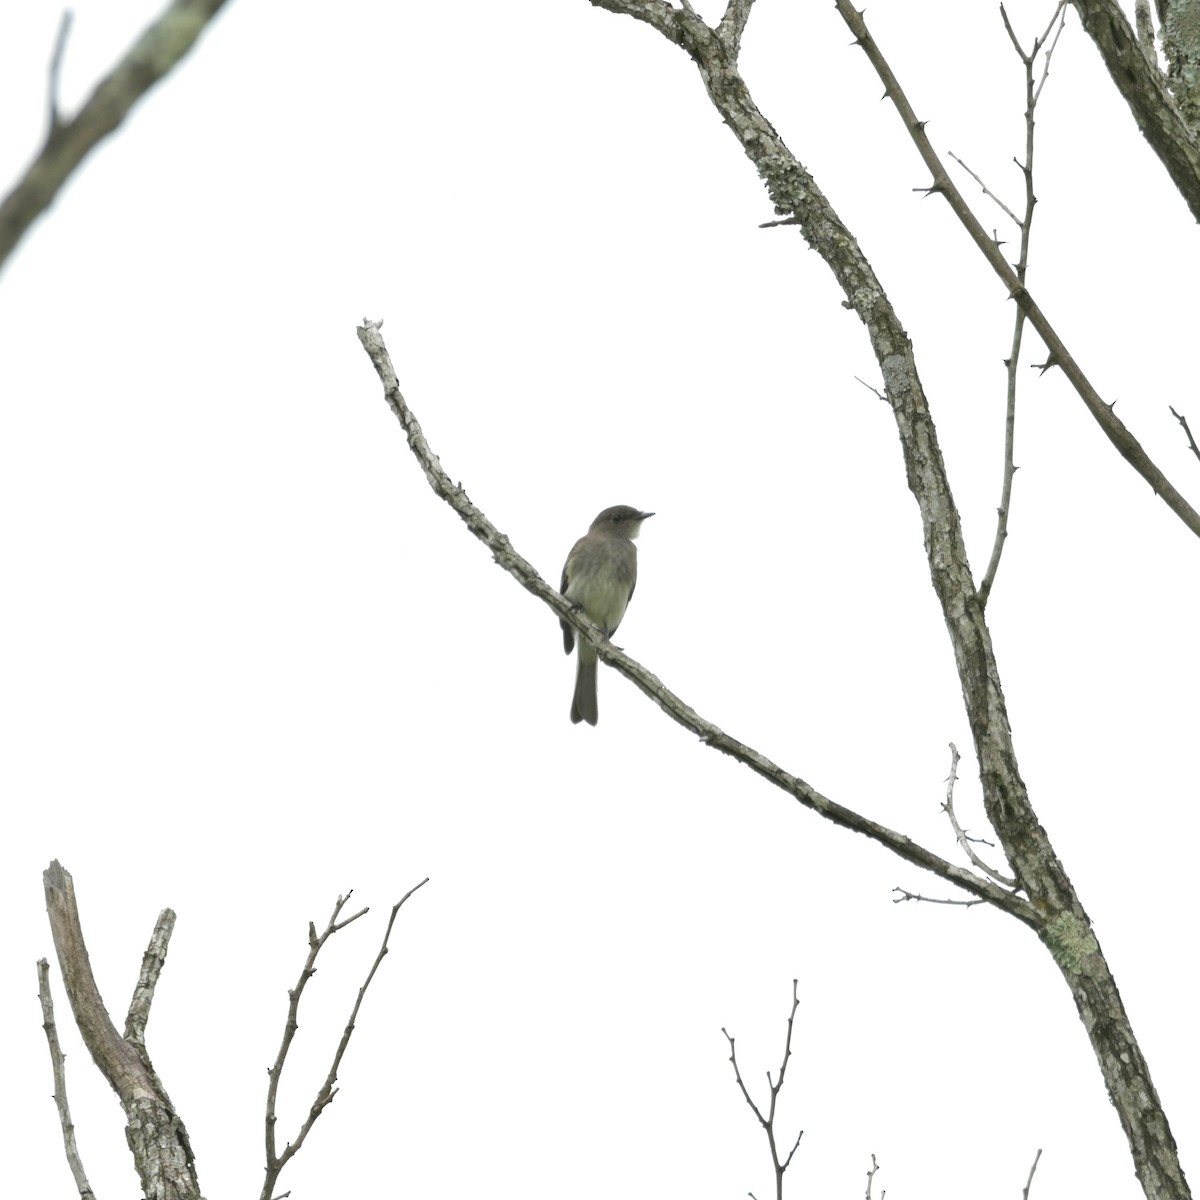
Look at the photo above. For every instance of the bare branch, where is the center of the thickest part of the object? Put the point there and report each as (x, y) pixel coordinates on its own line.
(1029, 1182)
(737, 1074)
(987, 191)
(871, 1175)
(1060, 15)
(1025, 224)
(59, 1067)
(1144, 89)
(904, 895)
(873, 390)
(152, 964)
(963, 840)
(53, 116)
(157, 1137)
(521, 570)
(156, 52)
(733, 24)
(327, 1091)
(1145, 29)
(1114, 429)
(1183, 421)
(657, 13)
(768, 1121)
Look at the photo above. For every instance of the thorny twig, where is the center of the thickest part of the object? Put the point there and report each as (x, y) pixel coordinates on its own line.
(1033, 90)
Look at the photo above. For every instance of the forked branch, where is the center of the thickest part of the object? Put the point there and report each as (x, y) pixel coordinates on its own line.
(327, 1091)
(775, 1086)
(1033, 91)
(157, 1138)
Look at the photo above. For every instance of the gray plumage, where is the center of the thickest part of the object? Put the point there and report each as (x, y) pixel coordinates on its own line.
(599, 577)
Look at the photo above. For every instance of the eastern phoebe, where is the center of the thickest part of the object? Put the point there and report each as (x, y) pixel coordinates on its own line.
(599, 577)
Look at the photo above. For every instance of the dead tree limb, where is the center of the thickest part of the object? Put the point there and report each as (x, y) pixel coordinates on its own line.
(155, 1132)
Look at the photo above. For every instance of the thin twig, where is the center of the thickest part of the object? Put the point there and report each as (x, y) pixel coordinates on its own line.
(1025, 224)
(1183, 421)
(1113, 428)
(960, 834)
(1029, 1182)
(904, 895)
(987, 191)
(54, 72)
(768, 1121)
(873, 390)
(58, 1066)
(871, 1175)
(327, 1091)
(1060, 15)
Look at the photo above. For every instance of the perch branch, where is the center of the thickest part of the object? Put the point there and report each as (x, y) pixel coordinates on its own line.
(521, 570)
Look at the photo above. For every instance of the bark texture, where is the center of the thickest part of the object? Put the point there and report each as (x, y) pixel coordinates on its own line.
(1144, 88)
(1181, 46)
(156, 1135)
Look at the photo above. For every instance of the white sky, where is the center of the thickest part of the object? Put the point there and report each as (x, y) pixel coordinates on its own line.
(250, 661)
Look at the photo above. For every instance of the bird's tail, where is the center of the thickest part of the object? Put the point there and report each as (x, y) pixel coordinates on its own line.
(583, 703)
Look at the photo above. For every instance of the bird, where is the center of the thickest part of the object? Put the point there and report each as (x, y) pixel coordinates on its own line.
(599, 576)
